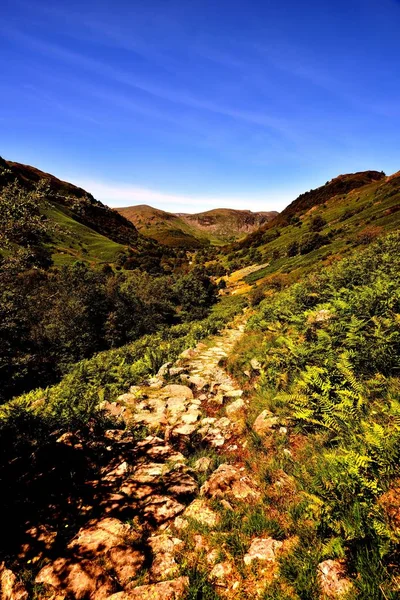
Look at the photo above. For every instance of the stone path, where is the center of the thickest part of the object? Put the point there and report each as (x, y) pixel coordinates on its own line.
(146, 494)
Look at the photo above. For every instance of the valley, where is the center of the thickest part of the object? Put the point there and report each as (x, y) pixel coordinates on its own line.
(196, 414)
(216, 227)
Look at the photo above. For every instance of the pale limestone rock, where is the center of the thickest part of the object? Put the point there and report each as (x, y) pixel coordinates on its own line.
(125, 562)
(212, 556)
(164, 548)
(332, 579)
(180, 523)
(265, 422)
(197, 381)
(262, 549)
(255, 364)
(189, 353)
(128, 398)
(179, 391)
(120, 471)
(174, 589)
(99, 536)
(186, 429)
(164, 566)
(174, 371)
(192, 416)
(223, 423)
(10, 587)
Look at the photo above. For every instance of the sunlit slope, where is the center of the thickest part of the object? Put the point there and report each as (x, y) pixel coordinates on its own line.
(306, 233)
(215, 227)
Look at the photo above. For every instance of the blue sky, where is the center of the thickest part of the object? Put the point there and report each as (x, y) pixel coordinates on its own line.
(189, 105)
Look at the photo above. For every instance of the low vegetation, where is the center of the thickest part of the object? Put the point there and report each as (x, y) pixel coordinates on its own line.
(329, 351)
(319, 358)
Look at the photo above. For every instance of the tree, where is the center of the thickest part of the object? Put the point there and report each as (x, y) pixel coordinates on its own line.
(21, 220)
(293, 249)
(317, 223)
(195, 294)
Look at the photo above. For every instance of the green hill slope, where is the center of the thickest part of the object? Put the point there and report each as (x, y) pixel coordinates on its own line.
(215, 227)
(86, 229)
(323, 225)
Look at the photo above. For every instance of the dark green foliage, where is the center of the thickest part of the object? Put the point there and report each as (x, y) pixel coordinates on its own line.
(195, 294)
(317, 223)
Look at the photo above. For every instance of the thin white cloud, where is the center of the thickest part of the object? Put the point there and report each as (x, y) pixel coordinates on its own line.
(180, 97)
(117, 195)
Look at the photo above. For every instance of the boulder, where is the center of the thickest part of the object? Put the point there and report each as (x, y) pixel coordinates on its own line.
(262, 549)
(265, 422)
(175, 589)
(178, 391)
(81, 580)
(174, 371)
(197, 381)
(99, 537)
(10, 587)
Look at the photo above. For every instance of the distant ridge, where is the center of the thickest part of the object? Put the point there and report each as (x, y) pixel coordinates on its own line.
(217, 226)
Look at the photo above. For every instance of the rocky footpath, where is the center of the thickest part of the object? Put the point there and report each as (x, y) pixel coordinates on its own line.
(175, 457)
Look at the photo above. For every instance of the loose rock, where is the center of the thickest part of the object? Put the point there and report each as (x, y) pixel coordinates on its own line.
(331, 576)
(265, 422)
(262, 549)
(228, 481)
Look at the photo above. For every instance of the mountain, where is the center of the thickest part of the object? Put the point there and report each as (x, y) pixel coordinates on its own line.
(87, 230)
(216, 226)
(322, 225)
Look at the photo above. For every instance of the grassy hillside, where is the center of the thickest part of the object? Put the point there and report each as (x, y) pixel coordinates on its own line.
(165, 227)
(84, 228)
(215, 227)
(328, 354)
(322, 226)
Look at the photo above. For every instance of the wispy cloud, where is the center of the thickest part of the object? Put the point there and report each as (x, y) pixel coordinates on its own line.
(117, 195)
(181, 97)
